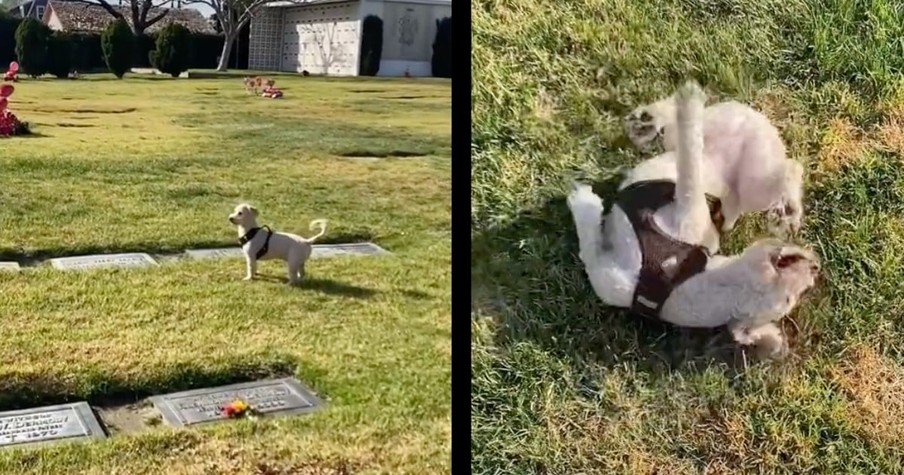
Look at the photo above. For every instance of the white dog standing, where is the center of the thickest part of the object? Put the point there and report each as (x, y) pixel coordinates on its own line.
(654, 253)
(741, 148)
(261, 243)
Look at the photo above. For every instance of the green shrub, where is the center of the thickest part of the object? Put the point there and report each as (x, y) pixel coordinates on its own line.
(371, 46)
(116, 42)
(8, 26)
(59, 55)
(31, 46)
(172, 53)
(441, 62)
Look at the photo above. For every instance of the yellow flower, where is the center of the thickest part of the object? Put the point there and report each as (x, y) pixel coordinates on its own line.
(240, 406)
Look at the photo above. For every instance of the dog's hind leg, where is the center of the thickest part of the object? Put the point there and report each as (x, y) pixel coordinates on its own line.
(691, 210)
(296, 269)
(610, 283)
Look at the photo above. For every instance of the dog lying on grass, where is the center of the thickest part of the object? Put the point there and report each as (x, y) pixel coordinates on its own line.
(743, 150)
(655, 253)
(261, 243)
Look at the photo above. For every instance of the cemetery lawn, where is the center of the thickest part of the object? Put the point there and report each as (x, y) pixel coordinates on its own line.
(155, 165)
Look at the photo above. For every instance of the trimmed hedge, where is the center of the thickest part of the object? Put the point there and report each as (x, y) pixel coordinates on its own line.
(441, 62)
(59, 55)
(117, 42)
(171, 55)
(8, 27)
(87, 54)
(32, 38)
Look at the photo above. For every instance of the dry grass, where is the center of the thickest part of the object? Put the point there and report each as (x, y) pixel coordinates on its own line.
(874, 385)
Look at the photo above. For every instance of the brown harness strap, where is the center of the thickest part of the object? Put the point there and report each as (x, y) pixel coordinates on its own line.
(667, 262)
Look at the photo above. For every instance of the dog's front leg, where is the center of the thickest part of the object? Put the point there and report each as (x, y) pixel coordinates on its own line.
(250, 267)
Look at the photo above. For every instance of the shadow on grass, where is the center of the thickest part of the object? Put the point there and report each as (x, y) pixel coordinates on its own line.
(527, 274)
(19, 391)
(32, 135)
(153, 248)
(381, 154)
(325, 286)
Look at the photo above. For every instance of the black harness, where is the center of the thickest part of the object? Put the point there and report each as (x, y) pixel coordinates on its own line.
(250, 235)
(667, 262)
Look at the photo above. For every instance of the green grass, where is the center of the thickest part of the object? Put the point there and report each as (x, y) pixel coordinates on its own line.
(564, 384)
(156, 166)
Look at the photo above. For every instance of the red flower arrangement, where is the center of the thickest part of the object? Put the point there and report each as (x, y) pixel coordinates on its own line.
(238, 409)
(272, 92)
(13, 73)
(10, 124)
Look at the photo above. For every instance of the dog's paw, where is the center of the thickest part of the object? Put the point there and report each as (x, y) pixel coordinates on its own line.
(784, 219)
(773, 347)
(248, 278)
(643, 128)
(742, 335)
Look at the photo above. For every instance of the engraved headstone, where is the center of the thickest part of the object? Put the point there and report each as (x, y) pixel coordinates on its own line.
(135, 259)
(49, 424)
(222, 253)
(9, 265)
(269, 397)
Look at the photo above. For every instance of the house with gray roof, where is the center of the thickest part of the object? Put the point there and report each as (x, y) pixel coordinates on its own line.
(75, 17)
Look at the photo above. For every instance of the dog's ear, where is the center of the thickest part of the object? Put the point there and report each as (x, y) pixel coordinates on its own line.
(788, 256)
(253, 210)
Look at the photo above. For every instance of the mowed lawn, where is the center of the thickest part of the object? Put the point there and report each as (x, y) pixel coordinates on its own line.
(563, 384)
(155, 165)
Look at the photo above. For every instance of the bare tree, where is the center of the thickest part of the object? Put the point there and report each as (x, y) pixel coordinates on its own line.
(232, 15)
(139, 11)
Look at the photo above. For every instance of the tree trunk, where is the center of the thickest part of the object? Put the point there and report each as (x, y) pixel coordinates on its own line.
(227, 51)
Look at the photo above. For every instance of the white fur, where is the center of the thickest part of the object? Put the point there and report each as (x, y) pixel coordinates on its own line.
(747, 292)
(291, 248)
(744, 154)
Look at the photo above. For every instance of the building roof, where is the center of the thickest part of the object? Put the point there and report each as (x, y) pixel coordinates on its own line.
(304, 3)
(82, 17)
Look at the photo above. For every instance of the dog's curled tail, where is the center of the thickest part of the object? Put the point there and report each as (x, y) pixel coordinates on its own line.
(690, 198)
(317, 223)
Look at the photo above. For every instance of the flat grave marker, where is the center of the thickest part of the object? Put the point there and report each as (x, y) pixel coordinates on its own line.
(319, 251)
(353, 249)
(133, 259)
(221, 253)
(268, 397)
(48, 424)
(9, 266)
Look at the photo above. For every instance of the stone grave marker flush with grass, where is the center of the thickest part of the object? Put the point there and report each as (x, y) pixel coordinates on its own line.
(319, 251)
(136, 259)
(41, 425)
(9, 266)
(270, 397)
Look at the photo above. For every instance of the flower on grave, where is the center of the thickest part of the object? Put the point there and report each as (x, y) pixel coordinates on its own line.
(12, 74)
(237, 409)
(9, 123)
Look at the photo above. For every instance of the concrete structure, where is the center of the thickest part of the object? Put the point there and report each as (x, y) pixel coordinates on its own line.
(324, 36)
